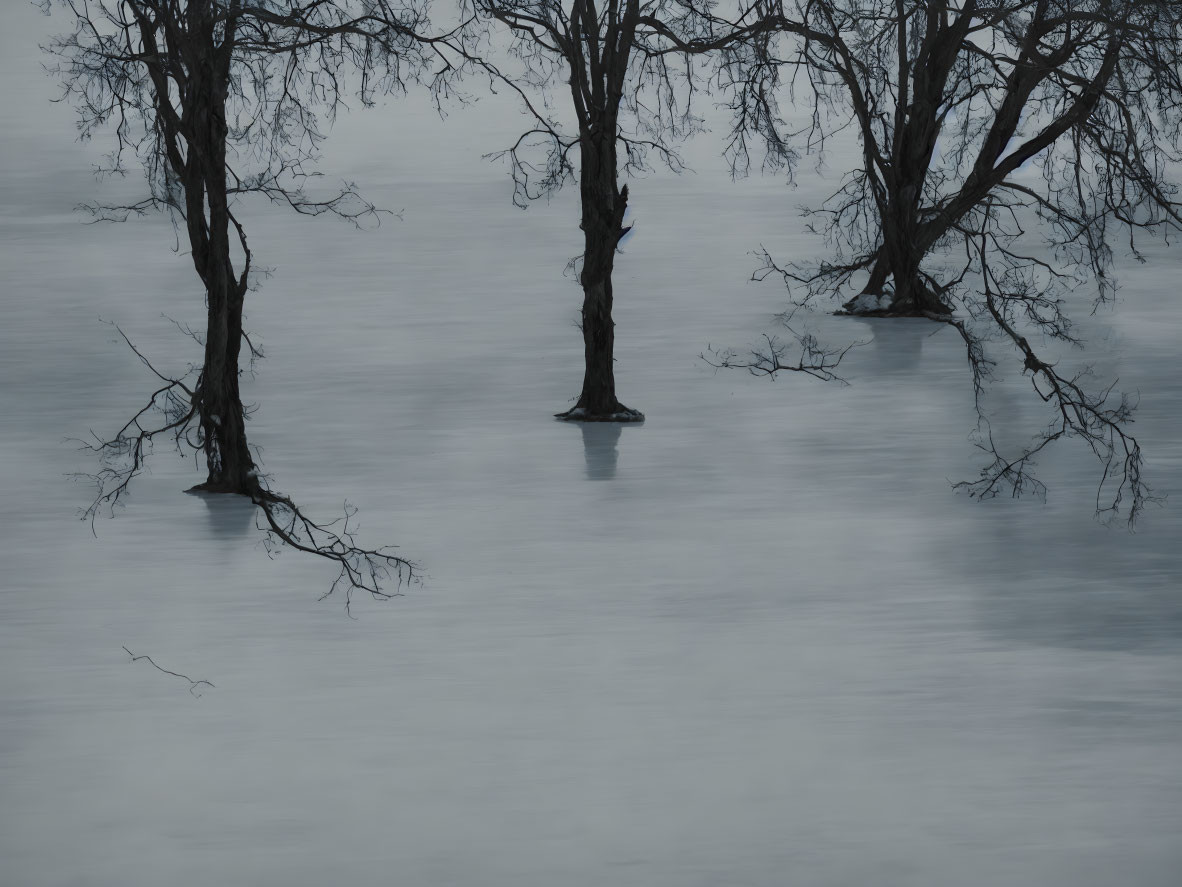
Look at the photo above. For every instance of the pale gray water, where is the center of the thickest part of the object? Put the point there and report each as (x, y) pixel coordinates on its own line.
(757, 641)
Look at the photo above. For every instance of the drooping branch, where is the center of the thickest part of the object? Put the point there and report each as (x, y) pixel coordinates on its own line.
(171, 411)
(167, 414)
(359, 569)
(1013, 298)
(1094, 417)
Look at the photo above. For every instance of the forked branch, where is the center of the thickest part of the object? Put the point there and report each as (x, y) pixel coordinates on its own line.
(807, 356)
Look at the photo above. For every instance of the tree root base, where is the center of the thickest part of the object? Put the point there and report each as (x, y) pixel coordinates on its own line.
(580, 414)
(892, 313)
(880, 305)
(222, 488)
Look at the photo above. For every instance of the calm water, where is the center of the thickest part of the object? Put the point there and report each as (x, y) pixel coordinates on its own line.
(757, 641)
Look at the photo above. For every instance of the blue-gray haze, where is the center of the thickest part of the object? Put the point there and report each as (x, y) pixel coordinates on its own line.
(756, 641)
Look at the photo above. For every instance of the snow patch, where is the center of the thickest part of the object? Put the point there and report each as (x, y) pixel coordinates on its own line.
(867, 303)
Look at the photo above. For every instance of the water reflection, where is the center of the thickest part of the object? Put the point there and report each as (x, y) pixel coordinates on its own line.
(601, 448)
(230, 517)
(1080, 586)
(895, 345)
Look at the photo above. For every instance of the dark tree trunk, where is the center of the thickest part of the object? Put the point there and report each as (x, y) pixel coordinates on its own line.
(219, 402)
(905, 241)
(223, 419)
(880, 273)
(901, 242)
(898, 261)
(603, 205)
(922, 81)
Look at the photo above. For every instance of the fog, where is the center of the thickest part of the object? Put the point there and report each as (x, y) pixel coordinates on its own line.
(757, 640)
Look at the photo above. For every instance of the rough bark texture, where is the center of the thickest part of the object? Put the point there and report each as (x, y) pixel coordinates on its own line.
(898, 263)
(227, 456)
(603, 206)
(201, 170)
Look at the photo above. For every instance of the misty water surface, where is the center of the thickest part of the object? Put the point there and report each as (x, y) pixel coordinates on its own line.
(756, 641)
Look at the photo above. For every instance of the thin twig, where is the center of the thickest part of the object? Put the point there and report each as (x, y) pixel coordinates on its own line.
(193, 685)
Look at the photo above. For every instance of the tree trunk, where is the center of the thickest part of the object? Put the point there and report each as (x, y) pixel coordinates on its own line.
(921, 85)
(899, 260)
(603, 205)
(223, 419)
(219, 403)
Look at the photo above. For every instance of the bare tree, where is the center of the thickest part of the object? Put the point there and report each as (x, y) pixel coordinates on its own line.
(952, 103)
(978, 122)
(628, 64)
(218, 100)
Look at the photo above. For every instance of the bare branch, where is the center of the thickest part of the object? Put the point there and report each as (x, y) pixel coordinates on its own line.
(193, 685)
(812, 358)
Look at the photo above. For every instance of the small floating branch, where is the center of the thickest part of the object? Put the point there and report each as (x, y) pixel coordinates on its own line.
(193, 685)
